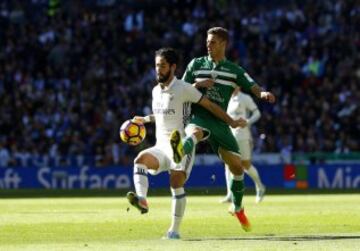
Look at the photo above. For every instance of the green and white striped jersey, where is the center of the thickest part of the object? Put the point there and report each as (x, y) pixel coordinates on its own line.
(227, 76)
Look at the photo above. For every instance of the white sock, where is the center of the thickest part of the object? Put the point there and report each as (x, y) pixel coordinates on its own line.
(228, 181)
(253, 173)
(238, 177)
(141, 181)
(177, 208)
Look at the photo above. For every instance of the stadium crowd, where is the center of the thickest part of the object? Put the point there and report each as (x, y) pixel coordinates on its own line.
(70, 75)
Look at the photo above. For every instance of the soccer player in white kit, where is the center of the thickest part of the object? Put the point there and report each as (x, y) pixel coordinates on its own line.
(241, 105)
(170, 103)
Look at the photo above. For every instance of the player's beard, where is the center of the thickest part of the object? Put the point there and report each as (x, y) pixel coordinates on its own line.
(163, 78)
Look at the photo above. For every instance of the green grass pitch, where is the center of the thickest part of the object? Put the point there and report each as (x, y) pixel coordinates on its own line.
(280, 222)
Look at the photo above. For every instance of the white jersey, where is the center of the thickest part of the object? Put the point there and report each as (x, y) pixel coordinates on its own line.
(242, 105)
(170, 107)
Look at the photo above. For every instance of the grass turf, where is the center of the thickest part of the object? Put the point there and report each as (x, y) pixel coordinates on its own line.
(281, 222)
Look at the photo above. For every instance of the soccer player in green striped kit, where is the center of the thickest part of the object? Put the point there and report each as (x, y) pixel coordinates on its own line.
(217, 77)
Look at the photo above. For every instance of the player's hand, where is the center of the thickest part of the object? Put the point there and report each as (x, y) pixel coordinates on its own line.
(239, 123)
(207, 83)
(138, 119)
(268, 96)
(242, 122)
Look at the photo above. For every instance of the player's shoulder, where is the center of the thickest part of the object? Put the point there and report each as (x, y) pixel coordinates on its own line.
(181, 84)
(184, 89)
(202, 59)
(188, 88)
(179, 81)
(234, 66)
(156, 89)
(248, 99)
(198, 60)
(245, 96)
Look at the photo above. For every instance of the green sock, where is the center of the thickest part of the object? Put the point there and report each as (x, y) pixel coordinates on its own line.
(188, 145)
(237, 189)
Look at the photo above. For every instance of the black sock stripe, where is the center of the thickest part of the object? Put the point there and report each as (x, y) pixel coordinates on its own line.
(180, 196)
(140, 170)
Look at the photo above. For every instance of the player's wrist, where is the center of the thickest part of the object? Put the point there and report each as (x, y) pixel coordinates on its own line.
(264, 94)
(147, 119)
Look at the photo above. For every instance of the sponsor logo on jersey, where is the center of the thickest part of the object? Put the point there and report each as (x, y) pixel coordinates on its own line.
(166, 111)
(223, 68)
(213, 94)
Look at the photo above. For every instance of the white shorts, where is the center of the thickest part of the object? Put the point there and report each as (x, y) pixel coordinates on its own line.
(166, 162)
(246, 146)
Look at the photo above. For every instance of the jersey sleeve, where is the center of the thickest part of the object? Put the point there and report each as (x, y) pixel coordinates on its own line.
(250, 104)
(189, 76)
(244, 80)
(191, 94)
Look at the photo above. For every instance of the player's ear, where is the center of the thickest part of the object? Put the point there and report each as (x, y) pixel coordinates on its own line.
(173, 67)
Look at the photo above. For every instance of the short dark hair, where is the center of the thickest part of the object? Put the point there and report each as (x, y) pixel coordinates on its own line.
(221, 32)
(169, 54)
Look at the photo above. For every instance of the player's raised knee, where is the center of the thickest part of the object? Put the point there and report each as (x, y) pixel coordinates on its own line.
(177, 179)
(148, 160)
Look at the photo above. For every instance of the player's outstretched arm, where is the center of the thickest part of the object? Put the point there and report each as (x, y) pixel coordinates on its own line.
(260, 93)
(147, 119)
(206, 83)
(220, 113)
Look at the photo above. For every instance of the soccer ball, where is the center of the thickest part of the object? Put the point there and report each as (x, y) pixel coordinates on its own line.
(132, 133)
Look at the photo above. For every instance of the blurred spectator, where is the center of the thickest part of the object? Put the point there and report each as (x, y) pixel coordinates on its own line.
(5, 157)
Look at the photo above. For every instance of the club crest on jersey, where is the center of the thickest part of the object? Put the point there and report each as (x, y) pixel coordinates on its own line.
(167, 97)
(214, 75)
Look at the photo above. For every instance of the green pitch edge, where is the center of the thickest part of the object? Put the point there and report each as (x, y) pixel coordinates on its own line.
(41, 193)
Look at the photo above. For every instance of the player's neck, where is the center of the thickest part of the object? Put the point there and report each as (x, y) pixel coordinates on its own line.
(166, 83)
(218, 58)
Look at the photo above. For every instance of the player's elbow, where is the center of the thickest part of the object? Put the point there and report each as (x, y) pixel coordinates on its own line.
(206, 103)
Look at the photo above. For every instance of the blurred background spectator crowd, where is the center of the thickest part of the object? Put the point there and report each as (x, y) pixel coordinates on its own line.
(72, 71)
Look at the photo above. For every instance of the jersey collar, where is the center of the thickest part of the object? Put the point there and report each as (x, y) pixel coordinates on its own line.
(220, 62)
(166, 88)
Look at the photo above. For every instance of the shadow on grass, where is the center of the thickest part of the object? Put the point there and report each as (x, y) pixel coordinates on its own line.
(283, 238)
